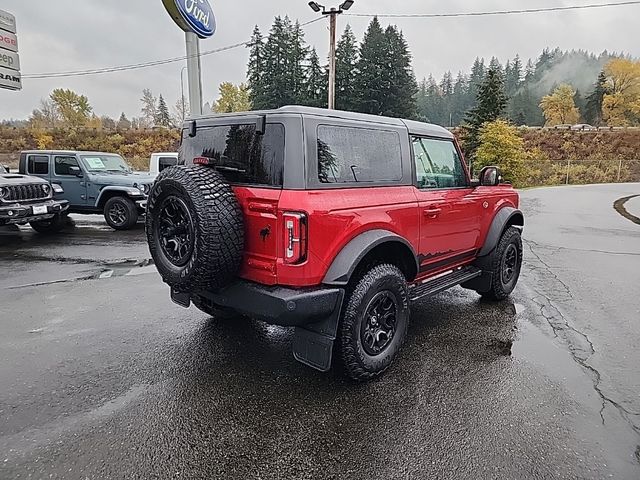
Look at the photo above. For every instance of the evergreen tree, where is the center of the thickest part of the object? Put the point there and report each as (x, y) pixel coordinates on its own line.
(460, 104)
(255, 70)
(580, 103)
(149, 109)
(593, 105)
(400, 99)
(346, 70)
(283, 72)
(490, 106)
(431, 108)
(163, 117)
(370, 89)
(123, 122)
(475, 80)
(513, 76)
(315, 94)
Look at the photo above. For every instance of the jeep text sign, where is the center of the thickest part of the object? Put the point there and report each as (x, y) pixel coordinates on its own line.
(192, 16)
(10, 79)
(8, 41)
(9, 60)
(7, 22)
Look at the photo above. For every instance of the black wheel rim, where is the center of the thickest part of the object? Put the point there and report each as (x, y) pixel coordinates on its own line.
(379, 323)
(117, 214)
(175, 230)
(509, 264)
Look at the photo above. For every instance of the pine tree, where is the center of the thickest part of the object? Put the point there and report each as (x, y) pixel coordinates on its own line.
(315, 94)
(490, 105)
(346, 70)
(163, 118)
(255, 70)
(299, 53)
(460, 104)
(370, 89)
(123, 122)
(593, 106)
(400, 100)
(475, 80)
(149, 109)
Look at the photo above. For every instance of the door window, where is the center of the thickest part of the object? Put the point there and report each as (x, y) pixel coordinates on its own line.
(63, 164)
(166, 162)
(38, 164)
(438, 164)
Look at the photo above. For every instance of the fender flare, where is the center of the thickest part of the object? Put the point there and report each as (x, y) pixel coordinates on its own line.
(125, 191)
(505, 216)
(346, 262)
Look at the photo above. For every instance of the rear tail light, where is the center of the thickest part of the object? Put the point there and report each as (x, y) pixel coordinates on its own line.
(202, 161)
(295, 237)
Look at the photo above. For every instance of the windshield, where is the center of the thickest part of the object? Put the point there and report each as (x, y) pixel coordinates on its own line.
(105, 163)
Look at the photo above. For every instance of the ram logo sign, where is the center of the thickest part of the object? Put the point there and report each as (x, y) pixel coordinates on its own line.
(192, 16)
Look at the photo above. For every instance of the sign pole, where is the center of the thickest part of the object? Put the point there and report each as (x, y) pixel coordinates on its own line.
(194, 73)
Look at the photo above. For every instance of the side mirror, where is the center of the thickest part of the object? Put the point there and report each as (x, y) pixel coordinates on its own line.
(490, 177)
(75, 171)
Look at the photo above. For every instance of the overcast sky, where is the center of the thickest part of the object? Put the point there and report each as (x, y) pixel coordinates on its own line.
(64, 35)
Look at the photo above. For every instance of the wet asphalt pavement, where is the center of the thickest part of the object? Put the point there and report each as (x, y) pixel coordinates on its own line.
(101, 376)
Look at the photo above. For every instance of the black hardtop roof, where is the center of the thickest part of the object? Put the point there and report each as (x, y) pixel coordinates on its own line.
(414, 127)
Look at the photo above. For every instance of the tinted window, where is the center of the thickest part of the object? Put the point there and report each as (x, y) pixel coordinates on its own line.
(61, 165)
(165, 162)
(239, 153)
(438, 164)
(358, 155)
(38, 164)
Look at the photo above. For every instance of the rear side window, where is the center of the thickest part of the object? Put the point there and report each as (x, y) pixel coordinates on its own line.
(240, 154)
(166, 162)
(358, 155)
(38, 164)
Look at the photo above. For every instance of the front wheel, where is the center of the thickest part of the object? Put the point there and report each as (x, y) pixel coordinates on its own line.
(53, 225)
(121, 213)
(374, 322)
(505, 265)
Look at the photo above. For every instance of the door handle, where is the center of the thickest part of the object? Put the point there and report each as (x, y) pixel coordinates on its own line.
(432, 212)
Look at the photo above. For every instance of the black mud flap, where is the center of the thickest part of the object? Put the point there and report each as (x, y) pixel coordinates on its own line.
(313, 343)
(182, 299)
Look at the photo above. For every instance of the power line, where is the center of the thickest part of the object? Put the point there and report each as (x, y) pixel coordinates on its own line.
(136, 66)
(497, 12)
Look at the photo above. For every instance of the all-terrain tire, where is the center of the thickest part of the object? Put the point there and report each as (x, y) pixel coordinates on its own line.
(214, 254)
(502, 284)
(356, 361)
(51, 226)
(121, 213)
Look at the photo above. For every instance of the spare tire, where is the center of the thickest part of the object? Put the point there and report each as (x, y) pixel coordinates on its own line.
(194, 228)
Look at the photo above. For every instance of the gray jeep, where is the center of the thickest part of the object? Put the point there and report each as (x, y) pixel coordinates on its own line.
(30, 200)
(93, 182)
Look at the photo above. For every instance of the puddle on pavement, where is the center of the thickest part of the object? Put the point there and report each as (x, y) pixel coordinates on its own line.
(126, 268)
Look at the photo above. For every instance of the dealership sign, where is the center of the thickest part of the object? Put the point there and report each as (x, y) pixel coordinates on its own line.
(9, 58)
(192, 16)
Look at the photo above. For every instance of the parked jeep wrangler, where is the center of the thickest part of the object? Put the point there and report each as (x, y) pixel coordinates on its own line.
(331, 222)
(30, 200)
(93, 182)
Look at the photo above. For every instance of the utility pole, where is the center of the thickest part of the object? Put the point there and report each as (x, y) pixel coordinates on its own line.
(194, 78)
(332, 13)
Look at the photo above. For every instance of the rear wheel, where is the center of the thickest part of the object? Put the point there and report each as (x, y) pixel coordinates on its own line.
(53, 225)
(121, 213)
(374, 322)
(505, 265)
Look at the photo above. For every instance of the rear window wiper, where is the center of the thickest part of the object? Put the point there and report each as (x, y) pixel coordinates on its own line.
(230, 169)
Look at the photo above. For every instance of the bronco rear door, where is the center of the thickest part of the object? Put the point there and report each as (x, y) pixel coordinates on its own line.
(252, 161)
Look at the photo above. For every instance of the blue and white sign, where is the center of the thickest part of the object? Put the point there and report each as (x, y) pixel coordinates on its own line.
(192, 16)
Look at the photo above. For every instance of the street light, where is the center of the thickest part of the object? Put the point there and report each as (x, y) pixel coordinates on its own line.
(332, 13)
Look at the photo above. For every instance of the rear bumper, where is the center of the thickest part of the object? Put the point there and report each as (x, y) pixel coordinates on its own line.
(275, 305)
(24, 213)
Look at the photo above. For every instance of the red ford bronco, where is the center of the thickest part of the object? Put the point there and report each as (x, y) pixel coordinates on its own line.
(330, 222)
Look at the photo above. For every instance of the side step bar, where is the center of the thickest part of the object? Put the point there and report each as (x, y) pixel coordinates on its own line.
(443, 282)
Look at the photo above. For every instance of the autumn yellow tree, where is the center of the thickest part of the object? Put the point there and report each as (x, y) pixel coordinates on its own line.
(501, 145)
(621, 104)
(233, 98)
(559, 107)
(72, 107)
